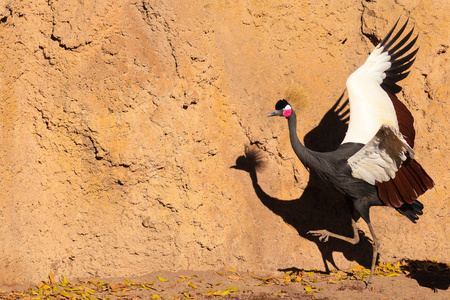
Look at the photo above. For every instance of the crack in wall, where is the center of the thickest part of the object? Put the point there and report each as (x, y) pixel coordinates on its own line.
(149, 13)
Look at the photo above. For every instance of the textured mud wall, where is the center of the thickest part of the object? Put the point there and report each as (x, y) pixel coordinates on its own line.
(120, 121)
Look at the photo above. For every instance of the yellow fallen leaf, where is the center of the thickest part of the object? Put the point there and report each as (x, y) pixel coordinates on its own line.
(221, 293)
(229, 269)
(308, 289)
(91, 292)
(253, 275)
(65, 282)
(56, 289)
(233, 277)
(162, 279)
(187, 295)
(333, 281)
(388, 275)
(66, 294)
(156, 297)
(51, 277)
(357, 268)
(183, 278)
(147, 285)
(192, 285)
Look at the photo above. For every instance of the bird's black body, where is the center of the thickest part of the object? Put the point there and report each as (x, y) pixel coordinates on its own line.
(331, 166)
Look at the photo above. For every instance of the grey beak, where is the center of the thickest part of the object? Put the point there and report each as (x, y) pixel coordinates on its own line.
(275, 113)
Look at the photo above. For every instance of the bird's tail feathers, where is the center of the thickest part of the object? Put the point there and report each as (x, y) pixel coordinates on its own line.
(410, 182)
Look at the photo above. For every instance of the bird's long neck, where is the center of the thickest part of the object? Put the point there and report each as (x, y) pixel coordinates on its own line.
(305, 155)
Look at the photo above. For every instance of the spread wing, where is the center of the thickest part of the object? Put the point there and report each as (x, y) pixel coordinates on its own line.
(372, 88)
(382, 122)
(380, 159)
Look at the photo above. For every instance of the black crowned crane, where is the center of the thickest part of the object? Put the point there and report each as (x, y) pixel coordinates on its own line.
(374, 165)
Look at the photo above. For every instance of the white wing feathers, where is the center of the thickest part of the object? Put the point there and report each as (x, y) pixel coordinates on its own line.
(376, 64)
(370, 105)
(381, 157)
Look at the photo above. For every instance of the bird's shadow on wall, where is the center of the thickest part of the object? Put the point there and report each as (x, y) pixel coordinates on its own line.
(429, 273)
(320, 206)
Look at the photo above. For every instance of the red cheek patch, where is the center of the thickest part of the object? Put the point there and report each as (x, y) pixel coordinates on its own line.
(287, 113)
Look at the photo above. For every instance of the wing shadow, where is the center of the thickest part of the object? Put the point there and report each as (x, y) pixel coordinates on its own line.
(431, 274)
(320, 206)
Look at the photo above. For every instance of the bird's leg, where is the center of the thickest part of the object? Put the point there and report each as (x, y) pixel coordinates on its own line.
(325, 234)
(376, 245)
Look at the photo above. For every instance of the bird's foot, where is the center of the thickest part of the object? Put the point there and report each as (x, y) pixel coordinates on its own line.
(369, 287)
(322, 234)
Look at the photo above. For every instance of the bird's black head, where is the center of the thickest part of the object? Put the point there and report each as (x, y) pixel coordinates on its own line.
(282, 109)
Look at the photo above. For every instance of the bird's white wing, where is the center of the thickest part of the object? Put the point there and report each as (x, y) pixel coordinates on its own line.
(381, 157)
(372, 88)
(370, 105)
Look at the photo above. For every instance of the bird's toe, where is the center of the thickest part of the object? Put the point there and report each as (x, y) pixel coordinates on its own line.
(322, 234)
(369, 287)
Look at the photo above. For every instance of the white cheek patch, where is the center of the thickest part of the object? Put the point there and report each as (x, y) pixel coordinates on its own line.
(287, 111)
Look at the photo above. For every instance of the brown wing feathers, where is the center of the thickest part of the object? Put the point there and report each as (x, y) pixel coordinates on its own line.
(409, 183)
(411, 180)
(405, 120)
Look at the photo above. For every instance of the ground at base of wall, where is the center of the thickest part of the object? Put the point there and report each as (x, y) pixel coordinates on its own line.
(402, 280)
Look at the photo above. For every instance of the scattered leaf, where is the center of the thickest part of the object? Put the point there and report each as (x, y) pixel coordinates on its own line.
(357, 268)
(388, 275)
(147, 285)
(232, 289)
(251, 274)
(187, 295)
(183, 278)
(234, 278)
(156, 297)
(221, 293)
(162, 279)
(333, 281)
(66, 294)
(51, 278)
(65, 282)
(229, 269)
